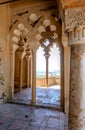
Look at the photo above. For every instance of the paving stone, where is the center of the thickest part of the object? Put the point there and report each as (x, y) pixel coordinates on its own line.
(32, 128)
(17, 125)
(42, 128)
(46, 97)
(51, 128)
(21, 117)
(44, 122)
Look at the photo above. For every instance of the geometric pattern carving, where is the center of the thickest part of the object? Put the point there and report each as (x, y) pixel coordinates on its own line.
(74, 17)
(47, 39)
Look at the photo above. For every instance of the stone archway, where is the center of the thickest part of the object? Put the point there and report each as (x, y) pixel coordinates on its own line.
(47, 32)
(34, 41)
(48, 91)
(20, 44)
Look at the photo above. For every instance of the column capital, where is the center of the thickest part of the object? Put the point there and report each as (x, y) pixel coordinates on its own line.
(74, 17)
(21, 55)
(33, 51)
(75, 25)
(47, 56)
(27, 57)
(13, 47)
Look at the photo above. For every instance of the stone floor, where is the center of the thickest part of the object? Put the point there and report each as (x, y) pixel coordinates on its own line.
(49, 97)
(22, 117)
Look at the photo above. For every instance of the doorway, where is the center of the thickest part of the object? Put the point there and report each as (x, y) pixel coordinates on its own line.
(49, 96)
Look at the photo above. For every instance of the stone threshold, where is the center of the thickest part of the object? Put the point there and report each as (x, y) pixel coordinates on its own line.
(38, 105)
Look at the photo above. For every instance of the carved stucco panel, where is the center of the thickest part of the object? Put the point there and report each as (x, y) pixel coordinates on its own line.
(74, 17)
(77, 88)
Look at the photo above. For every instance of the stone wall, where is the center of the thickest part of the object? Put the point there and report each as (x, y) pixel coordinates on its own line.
(51, 81)
(4, 45)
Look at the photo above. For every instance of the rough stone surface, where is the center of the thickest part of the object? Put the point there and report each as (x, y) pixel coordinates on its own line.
(77, 89)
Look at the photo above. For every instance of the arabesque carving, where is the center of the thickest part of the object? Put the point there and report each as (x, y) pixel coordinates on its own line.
(74, 17)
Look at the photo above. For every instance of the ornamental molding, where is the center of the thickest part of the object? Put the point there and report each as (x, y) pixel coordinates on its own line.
(74, 17)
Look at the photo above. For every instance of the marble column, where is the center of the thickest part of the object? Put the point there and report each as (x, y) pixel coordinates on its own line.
(75, 28)
(77, 88)
(33, 76)
(77, 79)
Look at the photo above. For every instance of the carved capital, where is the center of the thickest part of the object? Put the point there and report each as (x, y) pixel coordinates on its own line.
(75, 25)
(74, 17)
(13, 48)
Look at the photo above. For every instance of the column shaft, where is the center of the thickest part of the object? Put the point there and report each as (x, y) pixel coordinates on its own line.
(12, 58)
(33, 76)
(30, 73)
(28, 69)
(21, 73)
(66, 78)
(47, 72)
(62, 79)
(12, 69)
(77, 88)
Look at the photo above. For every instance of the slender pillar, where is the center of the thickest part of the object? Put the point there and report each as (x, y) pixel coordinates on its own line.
(28, 71)
(31, 71)
(21, 54)
(47, 56)
(21, 73)
(66, 78)
(12, 58)
(62, 80)
(12, 66)
(33, 76)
